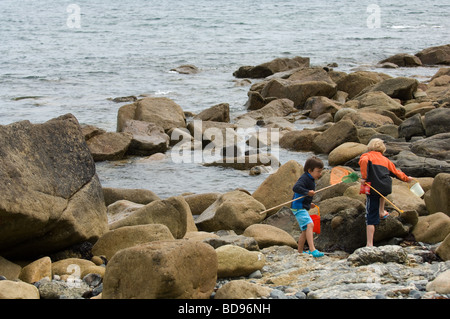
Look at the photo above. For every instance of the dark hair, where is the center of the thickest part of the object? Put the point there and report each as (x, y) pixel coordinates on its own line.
(312, 163)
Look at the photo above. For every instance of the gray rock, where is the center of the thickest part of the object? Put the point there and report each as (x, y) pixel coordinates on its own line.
(383, 254)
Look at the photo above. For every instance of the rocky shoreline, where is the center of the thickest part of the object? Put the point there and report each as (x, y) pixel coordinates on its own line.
(63, 235)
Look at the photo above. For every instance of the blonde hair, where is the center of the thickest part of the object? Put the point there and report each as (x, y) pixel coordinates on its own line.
(376, 145)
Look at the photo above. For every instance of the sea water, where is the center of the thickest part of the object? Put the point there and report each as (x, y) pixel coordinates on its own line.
(59, 57)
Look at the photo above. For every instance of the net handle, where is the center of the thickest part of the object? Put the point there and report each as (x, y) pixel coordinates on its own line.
(293, 200)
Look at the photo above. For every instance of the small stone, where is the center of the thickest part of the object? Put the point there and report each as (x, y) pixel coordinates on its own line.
(277, 294)
(300, 295)
(93, 280)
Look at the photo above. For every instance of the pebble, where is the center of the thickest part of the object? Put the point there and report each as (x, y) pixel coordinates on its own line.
(293, 275)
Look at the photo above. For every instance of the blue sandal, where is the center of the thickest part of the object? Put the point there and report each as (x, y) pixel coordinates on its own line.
(316, 253)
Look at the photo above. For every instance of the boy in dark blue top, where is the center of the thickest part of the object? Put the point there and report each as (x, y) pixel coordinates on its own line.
(305, 187)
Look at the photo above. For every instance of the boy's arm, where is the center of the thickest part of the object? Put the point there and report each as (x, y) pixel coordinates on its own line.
(398, 173)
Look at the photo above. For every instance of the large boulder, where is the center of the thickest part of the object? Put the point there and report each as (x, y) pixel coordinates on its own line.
(217, 113)
(435, 55)
(320, 105)
(199, 202)
(129, 236)
(432, 229)
(419, 166)
(440, 284)
(368, 118)
(383, 254)
(268, 235)
(297, 91)
(50, 197)
(404, 199)
(437, 121)
(159, 110)
(443, 250)
(173, 212)
(341, 132)
(353, 83)
(10, 289)
(269, 68)
(345, 152)
(412, 126)
(343, 225)
(277, 188)
(135, 195)
(162, 270)
(437, 199)
(234, 261)
(311, 74)
(380, 100)
(436, 146)
(235, 210)
(277, 108)
(403, 60)
(298, 140)
(9, 269)
(439, 89)
(109, 146)
(401, 88)
(147, 138)
(343, 228)
(37, 270)
(241, 289)
(285, 220)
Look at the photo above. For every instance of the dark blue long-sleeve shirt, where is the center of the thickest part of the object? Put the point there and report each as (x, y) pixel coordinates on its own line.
(301, 188)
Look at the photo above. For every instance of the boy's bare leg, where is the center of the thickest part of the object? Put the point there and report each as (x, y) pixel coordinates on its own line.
(381, 208)
(309, 236)
(370, 229)
(301, 241)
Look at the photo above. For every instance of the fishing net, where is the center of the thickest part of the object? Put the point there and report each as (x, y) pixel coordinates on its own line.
(342, 175)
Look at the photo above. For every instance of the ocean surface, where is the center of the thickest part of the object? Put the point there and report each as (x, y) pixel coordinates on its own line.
(59, 57)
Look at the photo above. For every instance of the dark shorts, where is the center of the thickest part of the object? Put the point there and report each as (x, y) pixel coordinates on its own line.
(372, 209)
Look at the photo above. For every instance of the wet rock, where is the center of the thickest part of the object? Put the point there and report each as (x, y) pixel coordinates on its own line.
(271, 67)
(109, 146)
(147, 138)
(159, 110)
(217, 113)
(186, 69)
(435, 55)
(403, 60)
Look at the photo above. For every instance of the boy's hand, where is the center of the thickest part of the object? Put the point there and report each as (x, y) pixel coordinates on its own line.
(311, 193)
(313, 205)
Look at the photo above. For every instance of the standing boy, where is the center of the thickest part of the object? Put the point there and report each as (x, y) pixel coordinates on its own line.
(305, 187)
(377, 169)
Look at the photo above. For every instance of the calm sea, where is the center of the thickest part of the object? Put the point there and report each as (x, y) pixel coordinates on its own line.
(59, 57)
